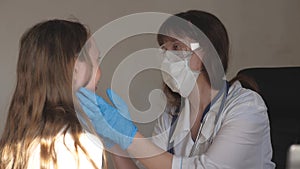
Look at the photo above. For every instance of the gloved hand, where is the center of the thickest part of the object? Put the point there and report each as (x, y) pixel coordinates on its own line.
(111, 122)
(107, 142)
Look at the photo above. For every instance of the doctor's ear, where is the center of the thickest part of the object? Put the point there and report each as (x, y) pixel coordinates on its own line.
(196, 63)
(199, 53)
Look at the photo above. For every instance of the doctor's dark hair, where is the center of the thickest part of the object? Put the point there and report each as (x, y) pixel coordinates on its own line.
(216, 33)
(42, 104)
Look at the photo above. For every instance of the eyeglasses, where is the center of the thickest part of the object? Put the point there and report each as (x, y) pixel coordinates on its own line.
(177, 50)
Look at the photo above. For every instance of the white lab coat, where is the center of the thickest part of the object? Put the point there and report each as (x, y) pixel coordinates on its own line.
(66, 156)
(240, 139)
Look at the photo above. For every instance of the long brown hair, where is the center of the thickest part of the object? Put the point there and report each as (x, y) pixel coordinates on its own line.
(42, 103)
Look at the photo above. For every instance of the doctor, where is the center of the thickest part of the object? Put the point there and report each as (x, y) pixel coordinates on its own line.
(208, 122)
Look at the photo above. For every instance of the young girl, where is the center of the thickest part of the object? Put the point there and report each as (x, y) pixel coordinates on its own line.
(42, 129)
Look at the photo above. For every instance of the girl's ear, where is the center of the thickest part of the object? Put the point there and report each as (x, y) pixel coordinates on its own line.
(76, 71)
(75, 85)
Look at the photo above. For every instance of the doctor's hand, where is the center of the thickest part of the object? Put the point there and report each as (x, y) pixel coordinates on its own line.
(111, 122)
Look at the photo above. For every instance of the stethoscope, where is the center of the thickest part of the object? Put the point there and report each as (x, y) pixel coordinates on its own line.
(224, 92)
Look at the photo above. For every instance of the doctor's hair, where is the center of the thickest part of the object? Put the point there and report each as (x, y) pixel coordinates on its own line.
(42, 104)
(208, 31)
(188, 24)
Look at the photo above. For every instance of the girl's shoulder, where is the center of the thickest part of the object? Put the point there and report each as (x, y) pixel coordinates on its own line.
(69, 156)
(90, 143)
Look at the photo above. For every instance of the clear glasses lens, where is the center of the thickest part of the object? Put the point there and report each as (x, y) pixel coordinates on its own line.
(177, 51)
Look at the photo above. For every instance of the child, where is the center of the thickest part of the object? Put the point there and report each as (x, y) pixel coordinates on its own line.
(42, 129)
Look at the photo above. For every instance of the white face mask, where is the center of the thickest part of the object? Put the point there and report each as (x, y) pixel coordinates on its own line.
(176, 72)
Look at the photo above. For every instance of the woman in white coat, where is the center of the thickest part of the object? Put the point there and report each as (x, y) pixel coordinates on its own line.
(208, 122)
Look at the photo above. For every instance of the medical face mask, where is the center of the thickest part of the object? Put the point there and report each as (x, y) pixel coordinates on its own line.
(176, 72)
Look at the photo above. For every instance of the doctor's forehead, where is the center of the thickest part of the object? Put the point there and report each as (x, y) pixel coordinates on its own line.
(179, 42)
(172, 37)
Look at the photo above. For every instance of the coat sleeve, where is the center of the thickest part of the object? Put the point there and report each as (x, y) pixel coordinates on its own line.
(160, 135)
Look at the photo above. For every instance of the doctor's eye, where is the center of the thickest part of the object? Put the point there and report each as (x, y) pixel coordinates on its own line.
(179, 46)
(175, 47)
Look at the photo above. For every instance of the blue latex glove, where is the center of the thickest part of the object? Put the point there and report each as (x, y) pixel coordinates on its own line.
(111, 122)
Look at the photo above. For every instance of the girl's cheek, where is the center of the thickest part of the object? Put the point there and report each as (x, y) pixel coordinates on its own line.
(81, 75)
(92, 84)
